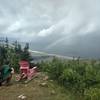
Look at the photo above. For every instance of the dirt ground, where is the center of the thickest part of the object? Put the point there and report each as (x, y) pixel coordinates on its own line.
(33, 90)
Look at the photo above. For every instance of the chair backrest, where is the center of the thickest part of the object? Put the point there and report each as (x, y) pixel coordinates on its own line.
(24, 64)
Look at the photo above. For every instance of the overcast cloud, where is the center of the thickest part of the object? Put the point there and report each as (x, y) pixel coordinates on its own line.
(67, 27)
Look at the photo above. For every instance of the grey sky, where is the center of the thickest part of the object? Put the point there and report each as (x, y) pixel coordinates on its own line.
(53, 25)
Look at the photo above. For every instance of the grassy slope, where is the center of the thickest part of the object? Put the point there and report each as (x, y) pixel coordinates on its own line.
(34, 91)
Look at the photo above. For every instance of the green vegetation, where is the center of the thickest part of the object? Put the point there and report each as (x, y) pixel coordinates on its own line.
(79, 76)
(13, 53)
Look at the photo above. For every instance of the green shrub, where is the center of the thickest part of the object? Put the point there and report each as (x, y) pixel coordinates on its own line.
(92, 94)
(77, 75)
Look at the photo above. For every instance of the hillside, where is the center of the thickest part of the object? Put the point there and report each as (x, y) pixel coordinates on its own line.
(34, 91)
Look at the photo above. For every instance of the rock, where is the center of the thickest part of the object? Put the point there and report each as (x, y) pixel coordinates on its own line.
(45, 78)
(26, 81)
(44, 84)
(53, 92)
(22, 97)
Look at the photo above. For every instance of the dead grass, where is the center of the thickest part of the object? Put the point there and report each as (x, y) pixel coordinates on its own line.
(33, 91)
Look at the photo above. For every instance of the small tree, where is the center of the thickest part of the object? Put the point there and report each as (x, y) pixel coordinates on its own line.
(3, 54)
(26, 48)
(7, 42)
(25, 55)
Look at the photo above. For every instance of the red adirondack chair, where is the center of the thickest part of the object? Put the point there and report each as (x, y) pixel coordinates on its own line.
(25, 71)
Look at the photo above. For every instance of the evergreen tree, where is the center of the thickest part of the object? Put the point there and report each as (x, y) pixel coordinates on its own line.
(25, 54)
(3, 54)
(19, 48)
(7, 42)
(26, 48)
(16, 46)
